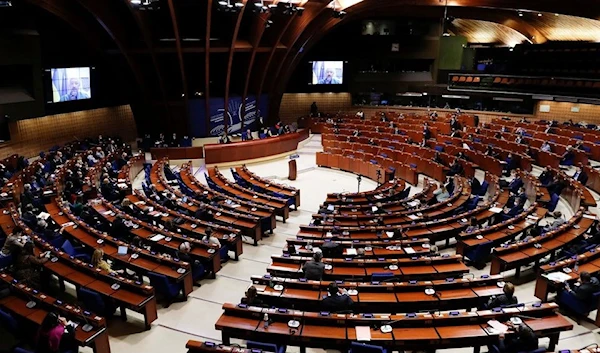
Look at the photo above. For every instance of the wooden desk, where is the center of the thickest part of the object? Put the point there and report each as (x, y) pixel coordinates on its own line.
(240, 151)
(410, 331)
(186, 153)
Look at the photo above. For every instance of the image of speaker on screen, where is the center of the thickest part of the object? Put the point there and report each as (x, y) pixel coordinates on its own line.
(71, 84)
(327, 72)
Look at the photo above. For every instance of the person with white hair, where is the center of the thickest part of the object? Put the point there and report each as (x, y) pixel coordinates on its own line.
(330, 78)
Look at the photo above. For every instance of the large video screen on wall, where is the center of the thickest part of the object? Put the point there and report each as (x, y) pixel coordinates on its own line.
(71, 84)
(327, 72)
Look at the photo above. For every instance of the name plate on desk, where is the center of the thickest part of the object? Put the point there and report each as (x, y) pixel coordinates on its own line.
(294, 156)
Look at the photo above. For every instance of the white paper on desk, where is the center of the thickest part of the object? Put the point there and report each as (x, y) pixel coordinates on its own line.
(139, 202)
(389, 234)
(157, 237)
(533, 217)
(589, 216)
(409, 250)
(107, 213)
(72, 323)
(557, 276)
(496, 209)
(351, 251)
(317, 249)
(122, 185)
(68, 224)
(48, 192)
(121, 180)
(498, 326)
(44, 215)
(235, 205)
(378, 197)
(363, 333)
(413, 217)
(414, 203)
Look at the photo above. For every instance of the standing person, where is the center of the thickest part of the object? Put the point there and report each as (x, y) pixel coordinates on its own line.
(314, 110)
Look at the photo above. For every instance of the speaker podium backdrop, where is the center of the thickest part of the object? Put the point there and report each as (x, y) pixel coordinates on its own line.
(233, 122)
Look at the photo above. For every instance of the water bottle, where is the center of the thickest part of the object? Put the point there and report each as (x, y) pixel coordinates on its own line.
(576, 267)
(266, 319)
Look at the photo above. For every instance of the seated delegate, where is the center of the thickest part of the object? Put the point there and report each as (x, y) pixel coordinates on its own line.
(337, 300)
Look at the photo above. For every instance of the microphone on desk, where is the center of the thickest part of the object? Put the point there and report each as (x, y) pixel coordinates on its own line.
(87, 327)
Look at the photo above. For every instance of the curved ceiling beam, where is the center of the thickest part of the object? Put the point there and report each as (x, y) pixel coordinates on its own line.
(150, 45)
(318, 29)
(59, 8)
(316, 8)
(181, 62)
(265, 68)
(236, 29)
(207, 66)
(259, 27)
(178, 47)
(115, 30)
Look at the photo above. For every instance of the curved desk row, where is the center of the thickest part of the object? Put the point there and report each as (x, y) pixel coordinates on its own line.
(240, 151)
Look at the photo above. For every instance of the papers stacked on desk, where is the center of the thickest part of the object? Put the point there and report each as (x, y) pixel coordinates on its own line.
(414, 203)
(157, 237)
(68, 224)
(44, 215)
(413, 217)
(409, 250)
(363, 333)
(496, 209)
(497, 327)
(557, 276)
(351, 251)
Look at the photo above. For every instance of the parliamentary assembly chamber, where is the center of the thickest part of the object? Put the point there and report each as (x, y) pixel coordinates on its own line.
(271, 176)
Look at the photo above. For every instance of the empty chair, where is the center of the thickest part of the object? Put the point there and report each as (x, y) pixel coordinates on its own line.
(483, 188)
(579, 307)
(93, 301)
(76, 252)
(381, 276)
(358, 347)
(479, 254)
(266, 347)
(168, 290)
(9, 322)
(551, 206)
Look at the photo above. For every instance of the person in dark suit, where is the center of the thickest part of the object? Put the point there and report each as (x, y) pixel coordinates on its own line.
(119, 229)
(508, 298)
(455, 168)
(513, 211)
(252, 298)
(580, 175)
(426, 132)
(314, 268)
(203, 213)
(556, 186)
(337, 300)
(545, 178)
(587, 287)
(523, 340)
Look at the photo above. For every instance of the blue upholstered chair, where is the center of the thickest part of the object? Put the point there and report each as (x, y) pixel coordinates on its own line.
(358, 347)
(163, 287)
(266, 347)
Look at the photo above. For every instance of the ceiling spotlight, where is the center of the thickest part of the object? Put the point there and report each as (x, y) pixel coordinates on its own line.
(446, 34)
(520, 14)
(136, 2)
(227, 6)
(555, 14)
(239, 5)
(223, 3)
(539, 14)
(511, 49)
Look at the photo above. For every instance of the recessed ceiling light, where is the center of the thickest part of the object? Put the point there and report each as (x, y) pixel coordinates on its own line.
(520, 14)
(555, 14)
(540, 14)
